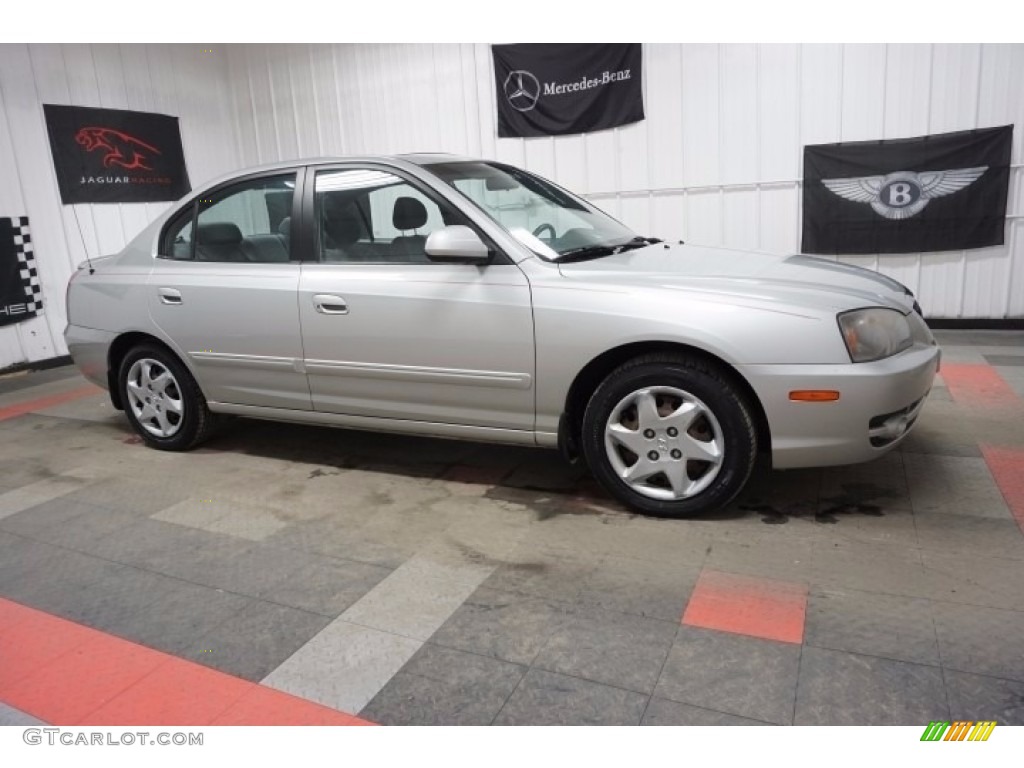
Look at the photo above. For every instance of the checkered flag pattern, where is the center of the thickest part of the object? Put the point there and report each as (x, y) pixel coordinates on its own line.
(21, 294)
(27, 265)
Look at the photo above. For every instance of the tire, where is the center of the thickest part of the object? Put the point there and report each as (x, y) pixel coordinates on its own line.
(176, 402)
(695, 442)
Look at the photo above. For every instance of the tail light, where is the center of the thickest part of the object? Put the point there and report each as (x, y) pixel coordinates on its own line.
(67, 293)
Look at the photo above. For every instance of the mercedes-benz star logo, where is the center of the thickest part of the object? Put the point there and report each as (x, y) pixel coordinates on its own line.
(522, 90)
(903, 194)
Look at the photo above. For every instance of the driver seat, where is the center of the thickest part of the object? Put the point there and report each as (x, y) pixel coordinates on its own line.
(409, 214)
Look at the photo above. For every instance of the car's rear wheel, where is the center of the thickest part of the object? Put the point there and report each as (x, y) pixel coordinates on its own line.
(670, 435)
(161, 399)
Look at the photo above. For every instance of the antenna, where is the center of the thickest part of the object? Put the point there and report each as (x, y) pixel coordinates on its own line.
(85, 248)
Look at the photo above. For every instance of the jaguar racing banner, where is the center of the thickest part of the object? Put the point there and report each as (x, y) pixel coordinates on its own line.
(944, 192)
(116, 156)
(550, 89)
(20, 293)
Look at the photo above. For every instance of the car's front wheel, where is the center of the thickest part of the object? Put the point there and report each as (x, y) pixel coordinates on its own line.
(670, 435)
(161, 399)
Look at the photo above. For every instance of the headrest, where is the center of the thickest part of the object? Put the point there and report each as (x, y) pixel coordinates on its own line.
(284, 229)
(409, 214)
(218, 233)
(341, 222)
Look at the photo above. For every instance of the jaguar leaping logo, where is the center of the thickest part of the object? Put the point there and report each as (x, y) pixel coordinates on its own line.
(121, 148)
(903, 194)
(522, 90)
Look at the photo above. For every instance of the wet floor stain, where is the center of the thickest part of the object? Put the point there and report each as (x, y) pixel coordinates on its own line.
(854, 499)
(547, 504)
(321, 473)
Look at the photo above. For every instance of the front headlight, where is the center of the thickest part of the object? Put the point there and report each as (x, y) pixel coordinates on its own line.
(874, 333)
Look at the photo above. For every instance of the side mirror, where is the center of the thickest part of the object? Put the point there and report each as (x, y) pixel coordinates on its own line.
(457, 244)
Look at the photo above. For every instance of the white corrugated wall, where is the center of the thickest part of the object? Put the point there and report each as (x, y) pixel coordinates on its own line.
(172, 79)
(717, 161)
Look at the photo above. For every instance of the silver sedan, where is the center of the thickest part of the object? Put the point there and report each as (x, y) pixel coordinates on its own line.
(436, 295)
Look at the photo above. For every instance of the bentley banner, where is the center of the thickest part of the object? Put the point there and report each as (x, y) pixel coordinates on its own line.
(945, 192)
(550, 89)
(116, 156)
(20, 293)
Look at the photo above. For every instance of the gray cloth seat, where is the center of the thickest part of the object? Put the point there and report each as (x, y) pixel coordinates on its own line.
(341, 229)
(223, 241)
(219, 241)
(409, 214)
(265, 249)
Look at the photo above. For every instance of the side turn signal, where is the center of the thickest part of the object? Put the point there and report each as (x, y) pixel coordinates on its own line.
(814, 395)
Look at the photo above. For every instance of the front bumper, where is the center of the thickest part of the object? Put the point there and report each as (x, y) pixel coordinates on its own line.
(90, 348)
(878, 404)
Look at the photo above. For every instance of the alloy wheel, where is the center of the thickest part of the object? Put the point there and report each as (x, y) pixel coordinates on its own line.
(664, 443)
(155, 397)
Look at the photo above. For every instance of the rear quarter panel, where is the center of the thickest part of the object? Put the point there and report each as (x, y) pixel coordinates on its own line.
(113, 300)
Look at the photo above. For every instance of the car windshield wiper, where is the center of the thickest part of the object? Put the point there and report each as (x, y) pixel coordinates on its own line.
(597, 251)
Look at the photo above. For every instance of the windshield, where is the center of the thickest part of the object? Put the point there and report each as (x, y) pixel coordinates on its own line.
(550, 221)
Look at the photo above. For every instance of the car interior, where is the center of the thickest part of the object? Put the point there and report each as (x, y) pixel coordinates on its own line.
(353, 227)
(384, 223)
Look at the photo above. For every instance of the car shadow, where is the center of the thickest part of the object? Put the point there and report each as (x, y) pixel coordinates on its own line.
(541, 480)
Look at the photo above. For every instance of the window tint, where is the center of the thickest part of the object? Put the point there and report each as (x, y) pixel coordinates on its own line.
(375, 217)
(248, 222)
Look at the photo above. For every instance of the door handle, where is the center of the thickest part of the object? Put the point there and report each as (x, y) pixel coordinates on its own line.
(169, 296)
(327, 304)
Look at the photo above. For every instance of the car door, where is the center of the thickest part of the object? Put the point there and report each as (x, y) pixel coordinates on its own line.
(388, 333)
(225, 292)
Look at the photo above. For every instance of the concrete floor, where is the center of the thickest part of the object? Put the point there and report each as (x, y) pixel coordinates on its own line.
(417, 581)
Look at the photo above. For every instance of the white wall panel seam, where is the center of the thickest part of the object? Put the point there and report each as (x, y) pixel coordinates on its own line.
(295, 108)
(17, 330)
(317, 117)
(275, 126)
(99, 103)
(56, 338)
(252, 105)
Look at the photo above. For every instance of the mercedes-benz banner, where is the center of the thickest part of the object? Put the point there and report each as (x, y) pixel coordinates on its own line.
(553, 89)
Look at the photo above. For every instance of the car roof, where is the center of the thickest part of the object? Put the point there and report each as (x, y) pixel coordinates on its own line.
(416, 158)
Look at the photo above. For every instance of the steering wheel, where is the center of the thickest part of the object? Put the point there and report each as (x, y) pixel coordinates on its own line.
(541, 228)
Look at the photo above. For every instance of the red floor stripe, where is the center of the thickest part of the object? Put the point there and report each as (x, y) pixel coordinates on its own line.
(747, 605)
(265, 706)
(978, 385)
(20, 409)
(1007, 467)
(68, 674)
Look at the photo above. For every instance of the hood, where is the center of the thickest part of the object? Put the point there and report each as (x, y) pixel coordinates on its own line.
(795, 281)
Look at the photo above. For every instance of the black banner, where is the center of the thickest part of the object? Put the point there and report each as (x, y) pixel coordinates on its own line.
(550, 89)
(116, 156)
(945, 192)
(20, 293)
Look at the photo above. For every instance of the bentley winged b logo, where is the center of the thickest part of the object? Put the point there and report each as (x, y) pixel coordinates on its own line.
(121, 149)
(522, 90)
(903, 194)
